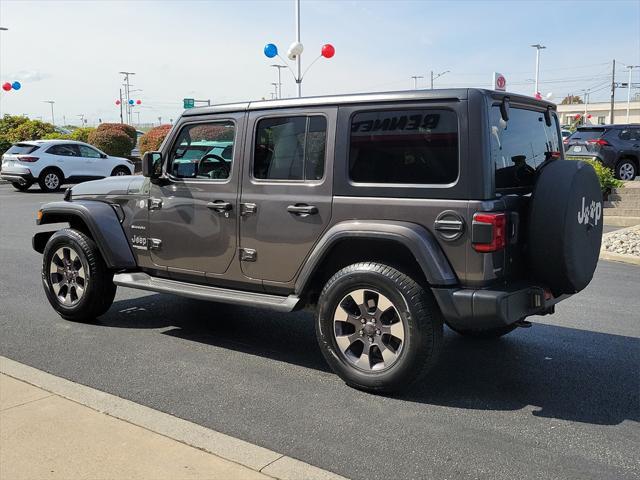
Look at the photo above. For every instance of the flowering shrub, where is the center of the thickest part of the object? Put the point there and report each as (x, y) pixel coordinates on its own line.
(205, 132)
(152, 140)
(127, 129)
(111, 141)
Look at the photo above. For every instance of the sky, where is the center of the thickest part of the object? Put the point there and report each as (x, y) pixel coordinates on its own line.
(71, 51)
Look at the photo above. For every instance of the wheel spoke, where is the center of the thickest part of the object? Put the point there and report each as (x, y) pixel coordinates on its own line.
(57, 286)
(358, 297)
(384, 304)
(397, 330)
(364, 361)
(388, 355)
(78, 290)
(80, 272)
(345, 341)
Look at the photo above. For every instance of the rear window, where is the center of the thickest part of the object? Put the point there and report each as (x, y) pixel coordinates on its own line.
(519, 146)
(22, 149)
(404, 147)
(587, 133)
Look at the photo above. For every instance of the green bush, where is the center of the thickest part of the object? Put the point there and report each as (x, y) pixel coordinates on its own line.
(123, 127)
(152, 140)
(111, 141)
(605, 176)
(15, 128)
(81, 134)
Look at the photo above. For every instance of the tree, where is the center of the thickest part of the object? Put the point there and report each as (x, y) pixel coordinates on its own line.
(571, 99)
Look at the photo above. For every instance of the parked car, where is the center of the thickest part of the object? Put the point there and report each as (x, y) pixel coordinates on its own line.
(53, 163)
(615, 146)
(386, 214)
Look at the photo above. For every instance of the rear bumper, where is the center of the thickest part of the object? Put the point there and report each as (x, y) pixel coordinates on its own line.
(21, 178)
(482, 308)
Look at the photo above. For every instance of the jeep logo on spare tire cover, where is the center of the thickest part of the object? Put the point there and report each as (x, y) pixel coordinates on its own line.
(565, 226)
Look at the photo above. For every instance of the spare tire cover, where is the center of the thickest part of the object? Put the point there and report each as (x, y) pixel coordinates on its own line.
(565, 226)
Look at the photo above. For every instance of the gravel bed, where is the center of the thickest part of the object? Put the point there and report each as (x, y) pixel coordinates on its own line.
(624, 242)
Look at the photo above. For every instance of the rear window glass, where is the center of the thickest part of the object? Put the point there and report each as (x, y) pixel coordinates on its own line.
(587, 133)
(519, 146)
(404, 147)
(22, 149)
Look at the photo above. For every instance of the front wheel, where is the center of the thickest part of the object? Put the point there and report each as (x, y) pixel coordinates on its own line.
(50, 181)
(378, 329)
(626, 170)
(76, 280)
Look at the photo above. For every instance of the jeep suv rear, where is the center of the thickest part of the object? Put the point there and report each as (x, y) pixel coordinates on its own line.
(388, 215)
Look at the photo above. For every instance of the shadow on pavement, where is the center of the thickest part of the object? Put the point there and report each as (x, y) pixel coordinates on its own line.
(564, 373)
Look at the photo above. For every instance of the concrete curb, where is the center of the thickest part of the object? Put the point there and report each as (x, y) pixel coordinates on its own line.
(252, 456)
(618, 257)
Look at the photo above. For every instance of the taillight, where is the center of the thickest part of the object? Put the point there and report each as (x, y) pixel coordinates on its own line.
(489, 232)
(598, 141)
(23, 158)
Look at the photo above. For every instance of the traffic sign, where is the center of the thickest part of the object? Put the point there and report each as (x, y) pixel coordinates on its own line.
(189, 102)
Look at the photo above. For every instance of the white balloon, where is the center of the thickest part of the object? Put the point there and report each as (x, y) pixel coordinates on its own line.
(295, 49)
(549, 95)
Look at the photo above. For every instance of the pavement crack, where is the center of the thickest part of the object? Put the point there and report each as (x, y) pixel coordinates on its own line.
(271, 463)
(26, 403)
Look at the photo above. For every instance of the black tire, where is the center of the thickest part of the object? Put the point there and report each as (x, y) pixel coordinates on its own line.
(626, 169)
(98, 289)
(486, 334)
(120, 171)
(50, 180)
(21, 187)
(413, 306)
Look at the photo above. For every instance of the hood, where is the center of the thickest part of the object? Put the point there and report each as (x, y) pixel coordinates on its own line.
(126, 185)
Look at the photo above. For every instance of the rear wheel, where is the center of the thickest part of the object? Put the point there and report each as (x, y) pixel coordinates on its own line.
(76, 280)
(50, 180)
(23, 187)
(378, 329)
(626, 169)
(486, 333)
(120, 172)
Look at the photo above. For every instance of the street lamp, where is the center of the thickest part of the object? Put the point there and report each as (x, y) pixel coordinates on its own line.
(538, 47)
(415, 81)
(435, 77)
(279, 67)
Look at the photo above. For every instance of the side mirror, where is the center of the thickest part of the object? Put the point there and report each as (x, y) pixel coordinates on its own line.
(152, 164)
(104, 155)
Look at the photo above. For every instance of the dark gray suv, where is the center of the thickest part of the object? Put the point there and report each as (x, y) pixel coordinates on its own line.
(615, 146)
(387, 214)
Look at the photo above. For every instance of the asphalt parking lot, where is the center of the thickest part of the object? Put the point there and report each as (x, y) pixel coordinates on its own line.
(559, 400)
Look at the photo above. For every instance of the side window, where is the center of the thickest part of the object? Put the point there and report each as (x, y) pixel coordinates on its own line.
(290, 148)
(88, 152)
(64, 150)
(203, 150)
(404, 147)
(631, 134)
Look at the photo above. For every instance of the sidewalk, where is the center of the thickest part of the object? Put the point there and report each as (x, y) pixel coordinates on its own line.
(52, 428)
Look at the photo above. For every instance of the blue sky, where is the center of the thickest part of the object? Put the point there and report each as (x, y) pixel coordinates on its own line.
(72, 51)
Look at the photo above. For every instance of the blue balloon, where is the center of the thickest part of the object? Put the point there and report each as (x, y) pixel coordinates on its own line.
(130, 102)
(16, 85)
(270, 50)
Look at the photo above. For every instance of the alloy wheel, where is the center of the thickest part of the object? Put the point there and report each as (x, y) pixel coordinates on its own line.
(67, 275)
(368, 330)
(627, 171)
(52, 181)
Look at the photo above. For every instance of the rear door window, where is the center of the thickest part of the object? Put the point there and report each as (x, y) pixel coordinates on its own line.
(411, 147)
(64, 150)
(520, 145)
(22, 149)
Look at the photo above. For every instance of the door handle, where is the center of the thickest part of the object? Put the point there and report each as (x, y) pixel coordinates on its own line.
(219, 206)
(302, 210)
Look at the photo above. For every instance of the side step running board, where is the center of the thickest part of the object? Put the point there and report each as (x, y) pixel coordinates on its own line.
(203, 292)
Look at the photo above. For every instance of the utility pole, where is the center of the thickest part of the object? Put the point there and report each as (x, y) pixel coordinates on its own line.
(435, 77)
(613, 91)
(279, 67)
(53, 118)
(299, 56)
(126, 92)
(121, 119)
(415, 81)
(275, 87)
(630, 67)
(138, 113)
(585, 94)
(538, 47)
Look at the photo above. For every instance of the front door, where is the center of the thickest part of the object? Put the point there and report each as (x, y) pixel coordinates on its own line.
(286, 190)
(193, 208)
(94, 164)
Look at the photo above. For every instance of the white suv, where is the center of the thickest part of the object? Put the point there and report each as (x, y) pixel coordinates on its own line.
(54, 162)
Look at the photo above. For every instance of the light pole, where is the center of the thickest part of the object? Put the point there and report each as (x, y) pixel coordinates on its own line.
(53, 118)
(415, 81)
(275, 88)
(435, 77)
(538, 47)
(299, 56)
(630, 67)
(585, 94)
(279, 67)
(126, 92)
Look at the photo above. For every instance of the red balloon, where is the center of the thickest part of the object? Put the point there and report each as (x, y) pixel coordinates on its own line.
(6, 86)
(118, 102)
(328, 51)
(578, 115)
(589, 116)
(138, 102)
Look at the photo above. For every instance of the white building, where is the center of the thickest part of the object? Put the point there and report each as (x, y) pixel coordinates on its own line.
(598, 113)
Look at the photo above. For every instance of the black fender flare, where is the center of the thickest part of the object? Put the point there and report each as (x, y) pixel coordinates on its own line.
(102, 221)
(420, 242)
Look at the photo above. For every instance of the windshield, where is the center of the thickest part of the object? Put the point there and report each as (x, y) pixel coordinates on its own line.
(520, 145)
(22, 149)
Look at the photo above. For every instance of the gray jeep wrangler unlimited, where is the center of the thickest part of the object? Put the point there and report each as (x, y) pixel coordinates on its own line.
(388, 214)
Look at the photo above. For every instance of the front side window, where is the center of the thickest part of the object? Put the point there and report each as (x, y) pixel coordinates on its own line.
(204, 151)
(404, 147)
(88, 152)
(520, 145)
(64, 150)
(290, 148)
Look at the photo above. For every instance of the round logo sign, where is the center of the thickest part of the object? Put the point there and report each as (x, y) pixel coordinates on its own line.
(501, 82)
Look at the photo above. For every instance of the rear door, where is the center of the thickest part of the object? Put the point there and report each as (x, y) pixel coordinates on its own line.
(286, 198)
(67, 157)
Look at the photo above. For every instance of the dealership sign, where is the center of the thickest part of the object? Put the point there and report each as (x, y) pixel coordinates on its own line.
(499, 82)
